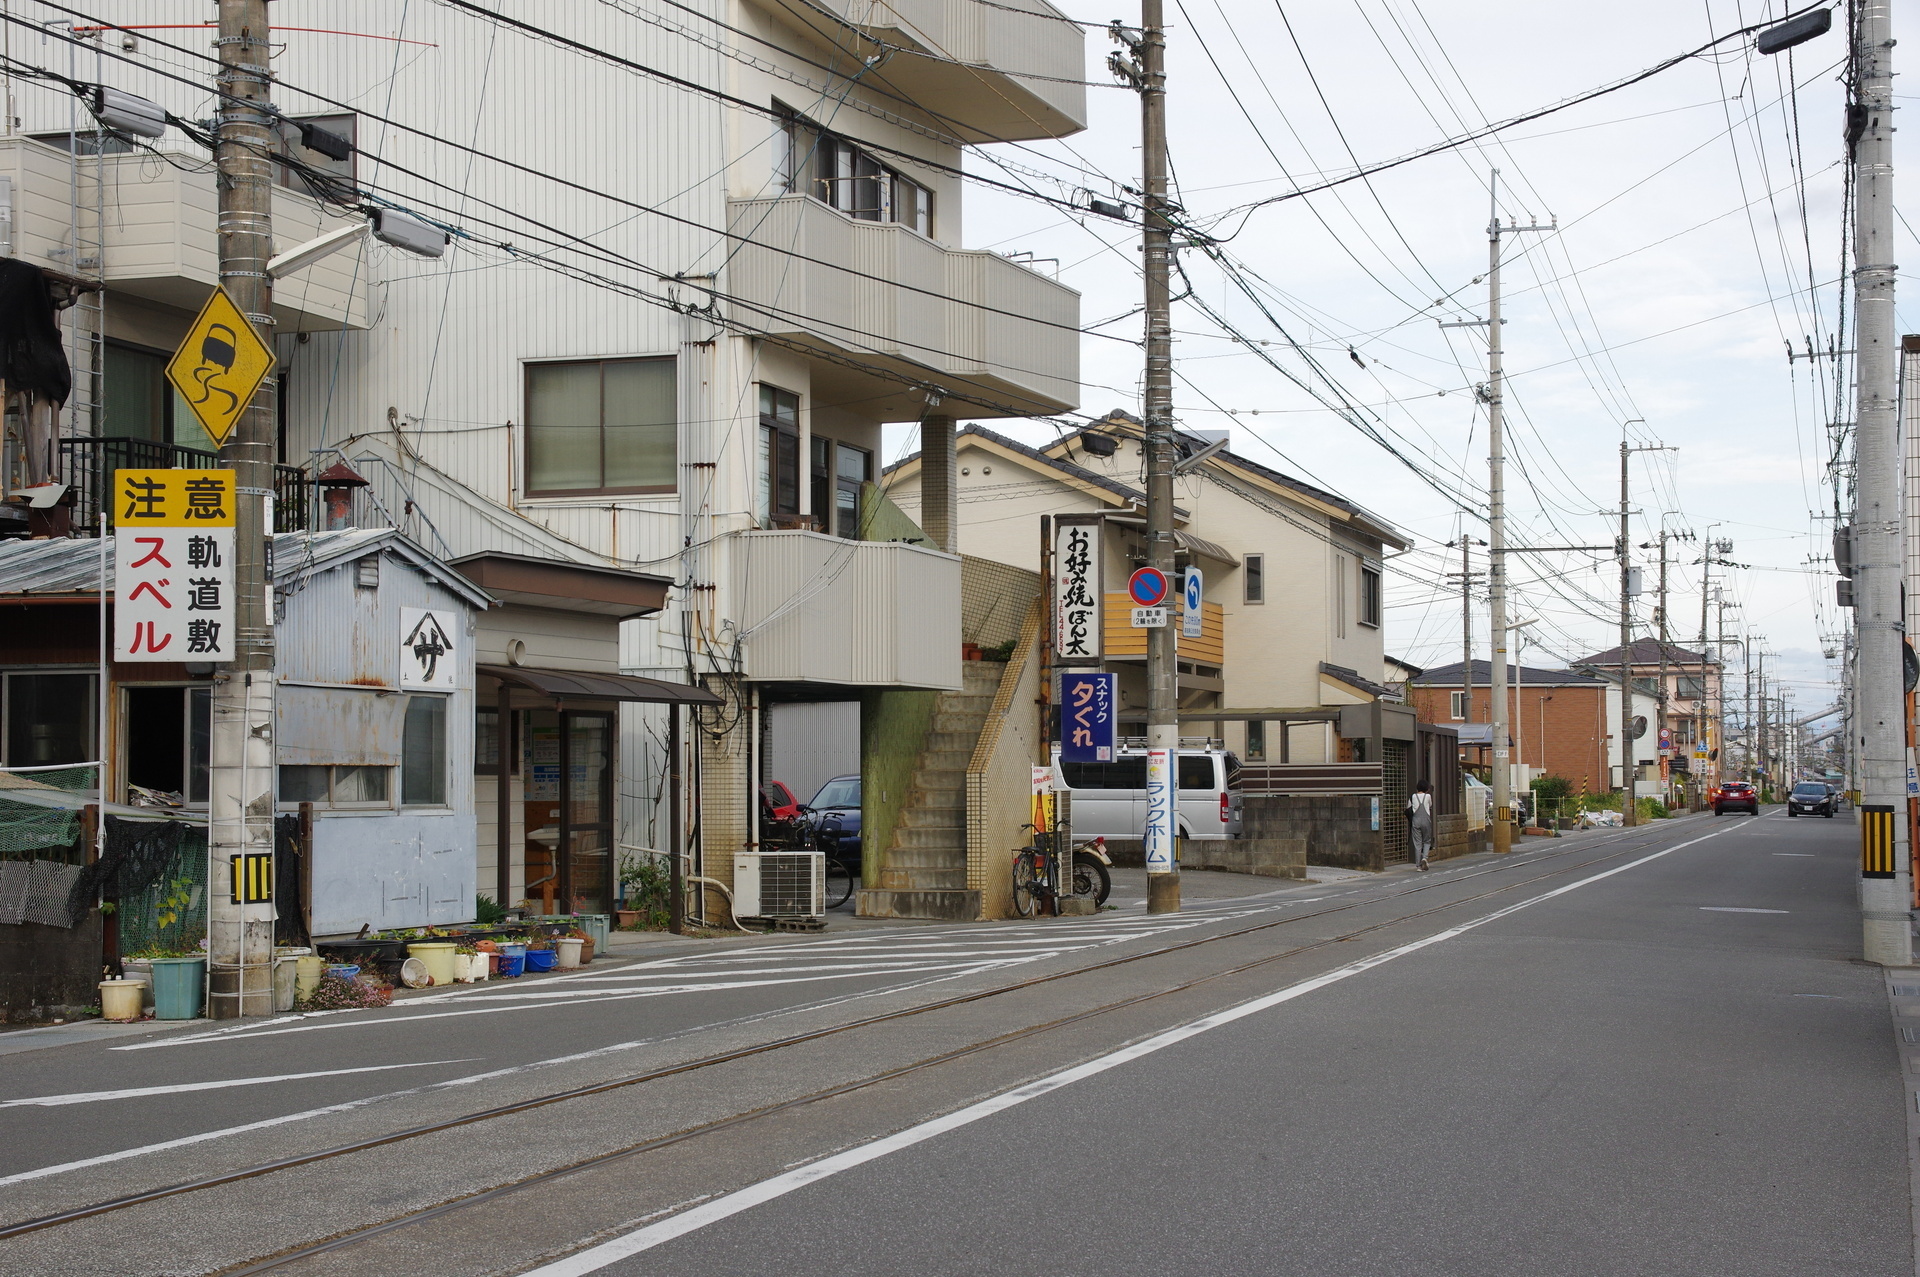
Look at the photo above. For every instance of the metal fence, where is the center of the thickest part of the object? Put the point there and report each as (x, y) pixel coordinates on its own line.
(87, 466)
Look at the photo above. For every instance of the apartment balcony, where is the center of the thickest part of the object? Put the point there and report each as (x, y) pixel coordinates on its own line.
(819, 609)
(983, 71)
(972, 323)
(160, 242)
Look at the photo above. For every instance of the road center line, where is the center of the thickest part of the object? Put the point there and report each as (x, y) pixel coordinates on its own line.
(643, 1239)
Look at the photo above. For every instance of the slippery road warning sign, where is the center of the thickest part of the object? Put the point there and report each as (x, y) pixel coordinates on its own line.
(220, 365)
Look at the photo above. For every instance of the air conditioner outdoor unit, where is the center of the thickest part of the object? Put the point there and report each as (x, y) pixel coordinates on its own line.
(779, 884)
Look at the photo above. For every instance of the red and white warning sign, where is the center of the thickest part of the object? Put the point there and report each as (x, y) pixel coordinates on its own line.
(173, 565)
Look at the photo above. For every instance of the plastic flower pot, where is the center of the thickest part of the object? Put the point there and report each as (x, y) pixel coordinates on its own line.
(120, 1000)
(512, 965)
(308, 969)
(286, 980)
(438, 956)
(179, 988)
(542, 959)
(568, 952)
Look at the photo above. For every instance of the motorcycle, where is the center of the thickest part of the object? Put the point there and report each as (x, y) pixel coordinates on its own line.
(1090, 871)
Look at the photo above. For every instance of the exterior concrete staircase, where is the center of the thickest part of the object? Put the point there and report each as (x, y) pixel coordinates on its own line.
(926, 861)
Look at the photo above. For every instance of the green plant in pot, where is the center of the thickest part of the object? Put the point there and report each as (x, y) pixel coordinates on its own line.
(171, 938)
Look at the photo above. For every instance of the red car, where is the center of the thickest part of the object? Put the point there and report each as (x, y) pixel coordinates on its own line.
(777, 802)
(1735, 795)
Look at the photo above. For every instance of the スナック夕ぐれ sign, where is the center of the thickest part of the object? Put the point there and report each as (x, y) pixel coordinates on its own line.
(1088, 706)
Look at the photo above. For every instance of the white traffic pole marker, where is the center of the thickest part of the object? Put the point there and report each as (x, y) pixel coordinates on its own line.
(712, 1212)
(94, 1097)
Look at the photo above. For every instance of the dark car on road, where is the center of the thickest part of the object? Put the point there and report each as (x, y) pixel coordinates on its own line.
(1736, 795)
(832, 819)
(1811, 798)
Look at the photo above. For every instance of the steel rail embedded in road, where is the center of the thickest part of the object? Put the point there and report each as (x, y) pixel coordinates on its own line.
(725, 1057)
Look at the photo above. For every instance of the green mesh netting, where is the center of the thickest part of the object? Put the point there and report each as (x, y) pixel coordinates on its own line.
(38, 830)
(170, 913)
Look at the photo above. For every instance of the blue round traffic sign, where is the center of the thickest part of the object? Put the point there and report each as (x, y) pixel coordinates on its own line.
(1147, 587)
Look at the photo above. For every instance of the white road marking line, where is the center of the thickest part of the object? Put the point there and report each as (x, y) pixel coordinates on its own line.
(643, 1239)
(91, 1097)
(1796, 853)
(1738, 909)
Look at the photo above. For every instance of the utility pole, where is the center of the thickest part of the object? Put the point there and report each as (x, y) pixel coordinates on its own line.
(1886, 891)
(1629, 807)
(1662, 702)
(1497, 522)
(1466, 624)
(241, 790)
(1163, 717)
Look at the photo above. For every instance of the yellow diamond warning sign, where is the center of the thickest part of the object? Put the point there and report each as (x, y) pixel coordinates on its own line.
(220, 365)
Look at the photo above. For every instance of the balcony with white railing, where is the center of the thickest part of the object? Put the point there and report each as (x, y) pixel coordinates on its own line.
(985, 72)
(160, 237)
(815, 608)
(1003, 336)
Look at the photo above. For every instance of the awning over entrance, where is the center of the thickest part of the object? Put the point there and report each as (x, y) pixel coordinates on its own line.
(576, 685)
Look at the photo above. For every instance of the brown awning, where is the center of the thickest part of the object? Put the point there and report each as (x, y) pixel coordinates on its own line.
(569, 587)
(576, 685)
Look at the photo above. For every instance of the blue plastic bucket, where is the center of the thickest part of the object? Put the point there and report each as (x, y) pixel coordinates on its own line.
(179, 988)
(512, 964)
(345, 970)
(541, 959)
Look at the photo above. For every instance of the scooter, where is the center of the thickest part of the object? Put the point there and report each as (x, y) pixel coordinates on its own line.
(1090, 866)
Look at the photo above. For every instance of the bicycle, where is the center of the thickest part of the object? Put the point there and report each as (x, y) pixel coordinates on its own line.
(840, 883)
(1031, 881)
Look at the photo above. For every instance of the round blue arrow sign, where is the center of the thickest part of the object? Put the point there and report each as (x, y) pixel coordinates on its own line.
(1147, 587)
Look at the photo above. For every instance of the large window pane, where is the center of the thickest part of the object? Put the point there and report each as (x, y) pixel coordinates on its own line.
(360, 784)
(423, 768)
(640, 417)
(49, 719)
(303, 784)
(563, 427)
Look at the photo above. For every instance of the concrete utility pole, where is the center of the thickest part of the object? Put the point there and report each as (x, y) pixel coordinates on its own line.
(1497, 524)
(1466, 624)
(1886, 890)
(241, 789)
(1629, 808)
(1666, 780)
(1163, 714)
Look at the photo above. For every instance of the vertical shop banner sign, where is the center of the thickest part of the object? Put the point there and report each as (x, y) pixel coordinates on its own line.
(1160, 827)
(1088, 703)
(1076, 592)
(173, 565)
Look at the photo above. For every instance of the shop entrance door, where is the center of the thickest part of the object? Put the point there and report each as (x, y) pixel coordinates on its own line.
(586, 815)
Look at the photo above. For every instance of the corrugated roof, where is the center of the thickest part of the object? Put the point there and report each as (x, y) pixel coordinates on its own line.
(43, 569)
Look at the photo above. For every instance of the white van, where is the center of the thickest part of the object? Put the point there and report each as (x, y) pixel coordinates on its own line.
(1110, 799)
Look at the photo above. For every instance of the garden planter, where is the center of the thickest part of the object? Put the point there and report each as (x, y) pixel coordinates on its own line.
(179, 988)
(627, 918)
(120, 1000)
(140, 969)
(542, 959)
(595, 925)
(512, 965)
(586, 951)
(567, 953)
(438, 956)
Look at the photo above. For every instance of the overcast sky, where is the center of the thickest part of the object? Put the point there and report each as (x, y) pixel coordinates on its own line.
(1679, 273)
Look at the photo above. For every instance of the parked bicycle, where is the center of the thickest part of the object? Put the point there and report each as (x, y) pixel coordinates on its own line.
(841, 881)
(1032, 883)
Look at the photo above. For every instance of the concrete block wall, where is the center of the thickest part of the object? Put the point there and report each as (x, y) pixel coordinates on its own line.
(1451, 838)
(1265, 857)
(1337, 829)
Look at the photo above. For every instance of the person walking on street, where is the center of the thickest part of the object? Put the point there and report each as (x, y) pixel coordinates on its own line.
(1420, 822)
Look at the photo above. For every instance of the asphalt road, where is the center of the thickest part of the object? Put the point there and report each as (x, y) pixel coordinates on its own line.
(1510, 1067)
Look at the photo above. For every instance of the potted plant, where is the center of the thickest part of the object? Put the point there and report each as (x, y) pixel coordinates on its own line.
(541, 955)
(175, 961)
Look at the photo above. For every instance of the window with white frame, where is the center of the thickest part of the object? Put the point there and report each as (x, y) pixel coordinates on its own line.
(1458, 711)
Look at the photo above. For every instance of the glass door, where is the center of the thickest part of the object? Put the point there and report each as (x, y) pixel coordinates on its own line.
(586, 813)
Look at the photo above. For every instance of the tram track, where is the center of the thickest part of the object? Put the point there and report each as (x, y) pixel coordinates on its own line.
(1624, 843)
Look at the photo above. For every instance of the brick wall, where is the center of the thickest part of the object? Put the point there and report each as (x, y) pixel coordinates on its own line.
(1564, 731)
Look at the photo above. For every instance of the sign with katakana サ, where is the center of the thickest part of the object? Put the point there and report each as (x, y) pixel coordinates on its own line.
(1089, 709)
(1076, 593)
(220, 365)
(428, 660)
(173, 565)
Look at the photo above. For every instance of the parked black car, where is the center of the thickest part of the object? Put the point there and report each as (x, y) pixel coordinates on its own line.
(1812, 798)
(833, 821)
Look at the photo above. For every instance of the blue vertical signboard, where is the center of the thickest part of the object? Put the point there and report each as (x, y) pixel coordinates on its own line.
(1087, 706)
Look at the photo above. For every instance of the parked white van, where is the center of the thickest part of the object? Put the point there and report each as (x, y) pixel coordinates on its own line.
(1110, 799)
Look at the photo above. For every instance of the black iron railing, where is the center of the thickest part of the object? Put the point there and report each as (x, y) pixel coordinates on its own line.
(87, 466)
